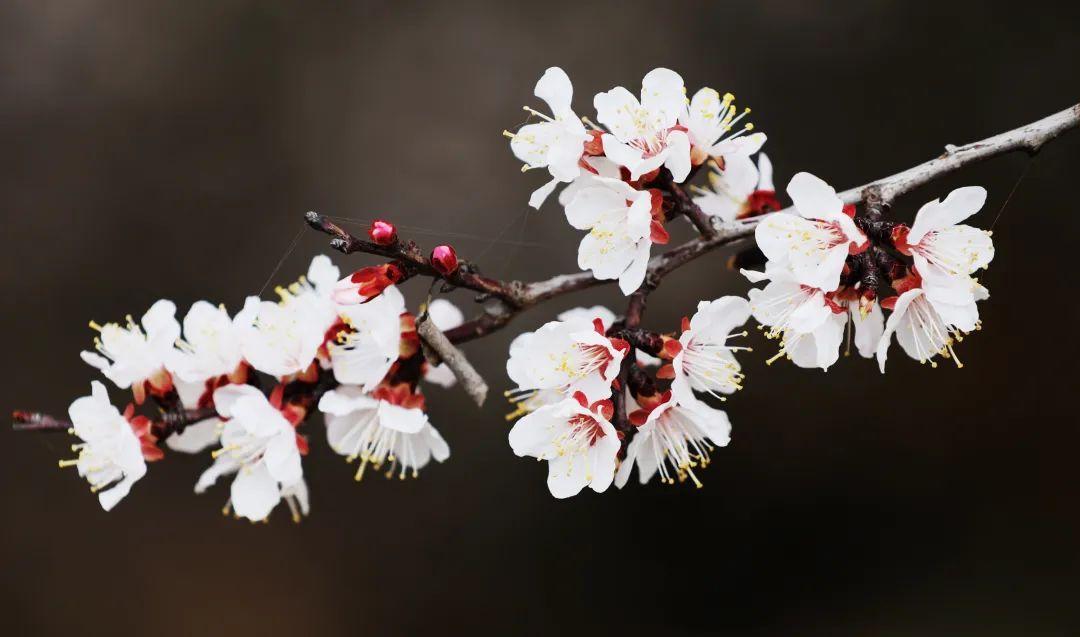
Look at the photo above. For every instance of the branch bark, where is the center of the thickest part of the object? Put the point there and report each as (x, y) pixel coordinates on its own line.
(455, 359)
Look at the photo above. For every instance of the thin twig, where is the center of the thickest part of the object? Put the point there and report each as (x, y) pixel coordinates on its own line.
(455, 359)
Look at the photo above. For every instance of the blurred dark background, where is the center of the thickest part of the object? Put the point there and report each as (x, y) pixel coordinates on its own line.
(169, 149)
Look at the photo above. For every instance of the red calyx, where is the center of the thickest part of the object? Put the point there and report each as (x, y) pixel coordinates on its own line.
(760, 202)
(657, 233)
(671, 348)
(648, 404)
(594, 147)
(400, 394)
(605, 408)
(908, 282)
(899, 239)
(849, 210)
(142, 427)
(444, 260)
(383, 232)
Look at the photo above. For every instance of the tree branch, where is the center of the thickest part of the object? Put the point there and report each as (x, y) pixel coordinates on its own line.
(455, 359)
(513, 297)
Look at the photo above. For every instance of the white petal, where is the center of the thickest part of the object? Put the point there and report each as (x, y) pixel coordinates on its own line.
(664, 96)
(540, 195)
(631, 279)
(678, 160)
(813, 198)
(255, 493)
(936, 215)
(225, 397)
(620, 111)
(196, 437)
(445, 315)
(345, 400)
(765, 170)
(405, 420)
(554, 87)
(868, 330)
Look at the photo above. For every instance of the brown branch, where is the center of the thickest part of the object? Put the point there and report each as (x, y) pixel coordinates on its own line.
(36, 421)
(513, 297)
(455, 359)
(170, 422)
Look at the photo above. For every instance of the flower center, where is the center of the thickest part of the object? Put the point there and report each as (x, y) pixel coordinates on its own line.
(931, 335)
(678, 448)
(710, 366)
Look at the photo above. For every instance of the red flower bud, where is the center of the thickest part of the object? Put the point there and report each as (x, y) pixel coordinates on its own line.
(367, 283)
(383, 232)
(444, 260)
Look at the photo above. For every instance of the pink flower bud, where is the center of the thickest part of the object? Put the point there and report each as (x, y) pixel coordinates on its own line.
(383, 232)
(444, 260)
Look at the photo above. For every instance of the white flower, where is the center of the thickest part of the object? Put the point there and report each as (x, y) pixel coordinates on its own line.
(388, 425)
(710, 118)
(555, 143)
(926, 327)
(258, 444)
(729, 189)
(366, 354)
(579, 444)
(131, 356)
(281, 338)
(284, 338)
(110, 453)
(706, 362)
(816, 243)
(946, 252)
(618, 219)
(810, 326)
(643, 134)
(569, 356)
(211, 345)
(675, 439)
(446, 316)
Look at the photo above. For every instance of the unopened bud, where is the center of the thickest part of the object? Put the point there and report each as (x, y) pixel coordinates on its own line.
(444, 260)
(383, 232)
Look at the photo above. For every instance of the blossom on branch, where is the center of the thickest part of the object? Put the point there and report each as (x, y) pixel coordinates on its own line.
(620, 224)
(945, 252)
(674, 437)
(111, 454)
(134, 355)
(815, 243)
(645, 134)
(260, 445)
(386, 426)
(568, 356)
(557, 142)
(576, 439)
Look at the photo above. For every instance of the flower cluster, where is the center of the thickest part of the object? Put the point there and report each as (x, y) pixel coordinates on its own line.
(609, 167)
(567, 374)
(830, 274)
(347, 348)
(826, 269)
